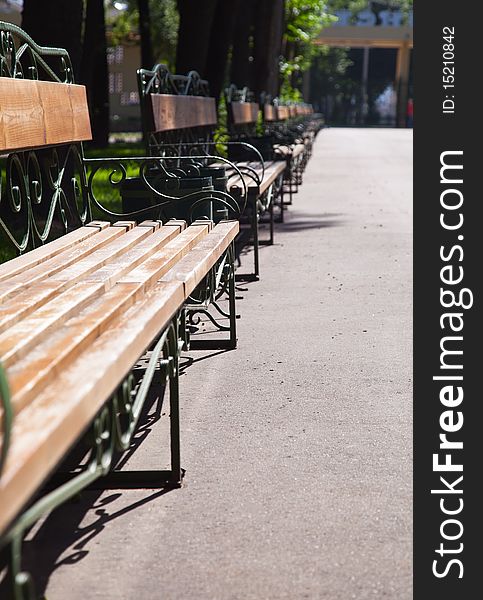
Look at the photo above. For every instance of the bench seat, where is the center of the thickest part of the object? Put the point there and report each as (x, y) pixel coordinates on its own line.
(267, 174)
(75, 315)
(294, 151)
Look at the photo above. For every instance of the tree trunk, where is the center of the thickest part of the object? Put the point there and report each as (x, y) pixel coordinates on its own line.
(94, 71)
(147, 59)
(221, 39)
(269, 15)
(241, 67)
(57, 23)
(195, 21)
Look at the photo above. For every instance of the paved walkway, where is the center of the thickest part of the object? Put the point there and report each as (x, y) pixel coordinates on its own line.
(298, 445)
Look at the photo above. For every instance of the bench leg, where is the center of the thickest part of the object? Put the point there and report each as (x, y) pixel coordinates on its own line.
(232, 298)
(288, 180)
(226, 286)
(19, 583)
(174, 420)
(282, 206)
(271, 221)
(256, 244)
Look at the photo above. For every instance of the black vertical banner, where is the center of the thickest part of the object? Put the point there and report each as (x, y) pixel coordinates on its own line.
(448, 268)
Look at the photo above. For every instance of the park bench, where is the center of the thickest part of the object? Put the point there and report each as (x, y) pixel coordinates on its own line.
(280, 136)
(292, 134)
(187, 141)
(242, 119)
(86, 298)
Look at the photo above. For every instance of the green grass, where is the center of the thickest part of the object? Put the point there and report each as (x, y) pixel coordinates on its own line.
(105, 193)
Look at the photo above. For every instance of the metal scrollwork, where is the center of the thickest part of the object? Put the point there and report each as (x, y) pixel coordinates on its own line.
(42, 192)
(207, 295)
(21, 57)
(45, 195)
(157, 180)
(160, 80)
(233, 94)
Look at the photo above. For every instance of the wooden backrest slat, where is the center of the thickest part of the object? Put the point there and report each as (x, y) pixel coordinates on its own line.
(269, 113)
(170, 112)
(244, 113)
(34, 114)
(282, 113)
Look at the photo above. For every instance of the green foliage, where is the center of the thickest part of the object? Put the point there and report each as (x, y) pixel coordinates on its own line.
(104, 191)
(123, 24)
(355, 6)
(304, 21)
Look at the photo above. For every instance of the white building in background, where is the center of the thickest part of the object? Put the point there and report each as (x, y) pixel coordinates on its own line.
(124, 110)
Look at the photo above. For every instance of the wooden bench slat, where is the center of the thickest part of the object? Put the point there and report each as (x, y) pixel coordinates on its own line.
(272, 170)
(113, 271)
(244, 113)
(30, 299)
(294, 150)
(102, 256)
(39, 113)
(51, 266)
(38, 255)
(90, 354)
(156, 265)
(191, 269)
(171, 112)
(35, 369)
(47, 428)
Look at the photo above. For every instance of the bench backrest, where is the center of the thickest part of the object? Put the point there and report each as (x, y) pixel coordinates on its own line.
(283, 113)
(35, 114)
(44, 118)
(242, 111)
(175, 109)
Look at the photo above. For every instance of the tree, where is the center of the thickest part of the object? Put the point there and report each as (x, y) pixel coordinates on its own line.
(159, 30)
(241, 73)
(268, 29)
(209, 29)
(94, 71)
(195, 26)
(57, 23)
(221, 38)
(145, 33)
(304, 20)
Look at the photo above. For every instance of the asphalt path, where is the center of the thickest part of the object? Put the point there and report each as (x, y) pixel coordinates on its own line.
(298, 445)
